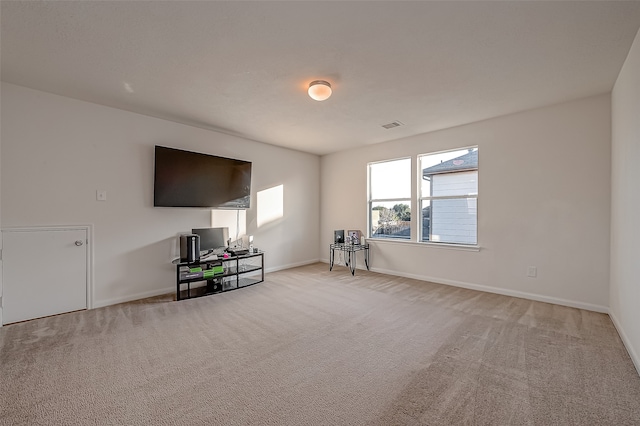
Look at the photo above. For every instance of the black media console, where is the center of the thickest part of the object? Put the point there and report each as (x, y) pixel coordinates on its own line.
(218, 275)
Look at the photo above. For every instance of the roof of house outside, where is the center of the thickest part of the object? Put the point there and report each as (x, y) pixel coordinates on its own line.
(468, 161)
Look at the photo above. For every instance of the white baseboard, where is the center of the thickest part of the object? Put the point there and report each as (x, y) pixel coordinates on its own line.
(131, 297)
(503, 291)
(530, 296)
(359, 265)
(627, 342)
(172, 289)
(514, 293)
(291, 265)
(471, 286)
(496, 290)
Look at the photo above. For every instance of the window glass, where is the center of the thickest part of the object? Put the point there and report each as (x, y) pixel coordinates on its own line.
(391, 219)
(449, 196)
(390, 199)
(454, 221)
(390, 179)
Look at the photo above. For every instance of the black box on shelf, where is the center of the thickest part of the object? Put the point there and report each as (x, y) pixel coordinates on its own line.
(190, 248)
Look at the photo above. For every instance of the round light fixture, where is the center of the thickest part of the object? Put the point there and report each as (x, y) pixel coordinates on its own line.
(319, 90)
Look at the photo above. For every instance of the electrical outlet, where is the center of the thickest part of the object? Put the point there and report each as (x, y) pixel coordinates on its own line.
(532, 271)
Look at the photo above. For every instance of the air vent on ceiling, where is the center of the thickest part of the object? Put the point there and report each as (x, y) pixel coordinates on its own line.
(393, 124)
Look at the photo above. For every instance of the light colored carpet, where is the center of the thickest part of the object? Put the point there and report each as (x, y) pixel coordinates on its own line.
(313, 347)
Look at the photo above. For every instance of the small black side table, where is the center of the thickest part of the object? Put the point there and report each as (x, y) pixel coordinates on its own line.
(349, 250)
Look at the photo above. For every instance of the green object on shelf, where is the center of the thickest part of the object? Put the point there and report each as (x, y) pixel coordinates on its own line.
(197, 269)
(217, 269)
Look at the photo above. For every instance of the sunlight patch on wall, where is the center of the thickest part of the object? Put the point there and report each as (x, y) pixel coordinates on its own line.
(270, 205)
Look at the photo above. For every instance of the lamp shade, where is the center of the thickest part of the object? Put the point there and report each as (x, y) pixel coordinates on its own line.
(319, 90)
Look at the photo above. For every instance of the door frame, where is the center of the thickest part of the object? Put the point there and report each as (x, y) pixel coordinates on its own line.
(89, 230)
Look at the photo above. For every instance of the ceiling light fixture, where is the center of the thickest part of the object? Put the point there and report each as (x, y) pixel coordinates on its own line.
(319, 90)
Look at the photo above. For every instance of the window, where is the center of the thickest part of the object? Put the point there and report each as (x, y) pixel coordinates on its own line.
(449, 196)
(390, 199)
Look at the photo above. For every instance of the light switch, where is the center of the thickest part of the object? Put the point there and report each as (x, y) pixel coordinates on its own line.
(101, 195)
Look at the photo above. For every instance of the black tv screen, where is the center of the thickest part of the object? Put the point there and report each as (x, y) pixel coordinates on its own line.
(191, 179)
(212, 239)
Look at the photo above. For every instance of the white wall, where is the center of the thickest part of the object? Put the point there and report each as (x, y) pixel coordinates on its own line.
(1, 204)
(625, 203)
(57, 151)
(544, 182)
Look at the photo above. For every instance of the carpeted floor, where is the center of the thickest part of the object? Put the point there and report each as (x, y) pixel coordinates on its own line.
(313, 347)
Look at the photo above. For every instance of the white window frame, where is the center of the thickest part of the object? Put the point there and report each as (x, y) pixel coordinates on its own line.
(430, 199)
(371, 201)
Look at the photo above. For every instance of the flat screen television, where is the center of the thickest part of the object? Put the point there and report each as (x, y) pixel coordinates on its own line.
(191, 179)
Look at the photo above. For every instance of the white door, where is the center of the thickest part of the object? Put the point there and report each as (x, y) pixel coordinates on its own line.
(44, 272)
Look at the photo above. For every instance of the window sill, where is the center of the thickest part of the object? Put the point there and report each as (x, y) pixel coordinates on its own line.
(448, 246)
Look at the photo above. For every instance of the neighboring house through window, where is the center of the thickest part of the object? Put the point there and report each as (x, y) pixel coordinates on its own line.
(449, 197)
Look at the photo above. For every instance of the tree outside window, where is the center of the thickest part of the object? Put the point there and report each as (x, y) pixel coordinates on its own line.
(390, 199)
(447, 196)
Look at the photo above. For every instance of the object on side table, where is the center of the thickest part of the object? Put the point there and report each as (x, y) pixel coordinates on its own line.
(354, 236)
(208, 257)
(237, 251)
(338, 236)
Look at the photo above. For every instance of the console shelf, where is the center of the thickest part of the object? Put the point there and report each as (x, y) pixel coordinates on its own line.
(219, 275)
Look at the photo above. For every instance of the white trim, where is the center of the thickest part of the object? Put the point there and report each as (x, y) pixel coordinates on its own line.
(448, 197)
(390, 200)
(505, 292)
(137, 296)
(496, 290)
(626, 341)
(172, 289)
(447, 150)
(291, 265)
(409, 157)
(371, 200)
(463, 247)
(90, 269)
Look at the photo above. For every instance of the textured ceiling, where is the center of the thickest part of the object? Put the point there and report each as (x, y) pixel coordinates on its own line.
(243, 67)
